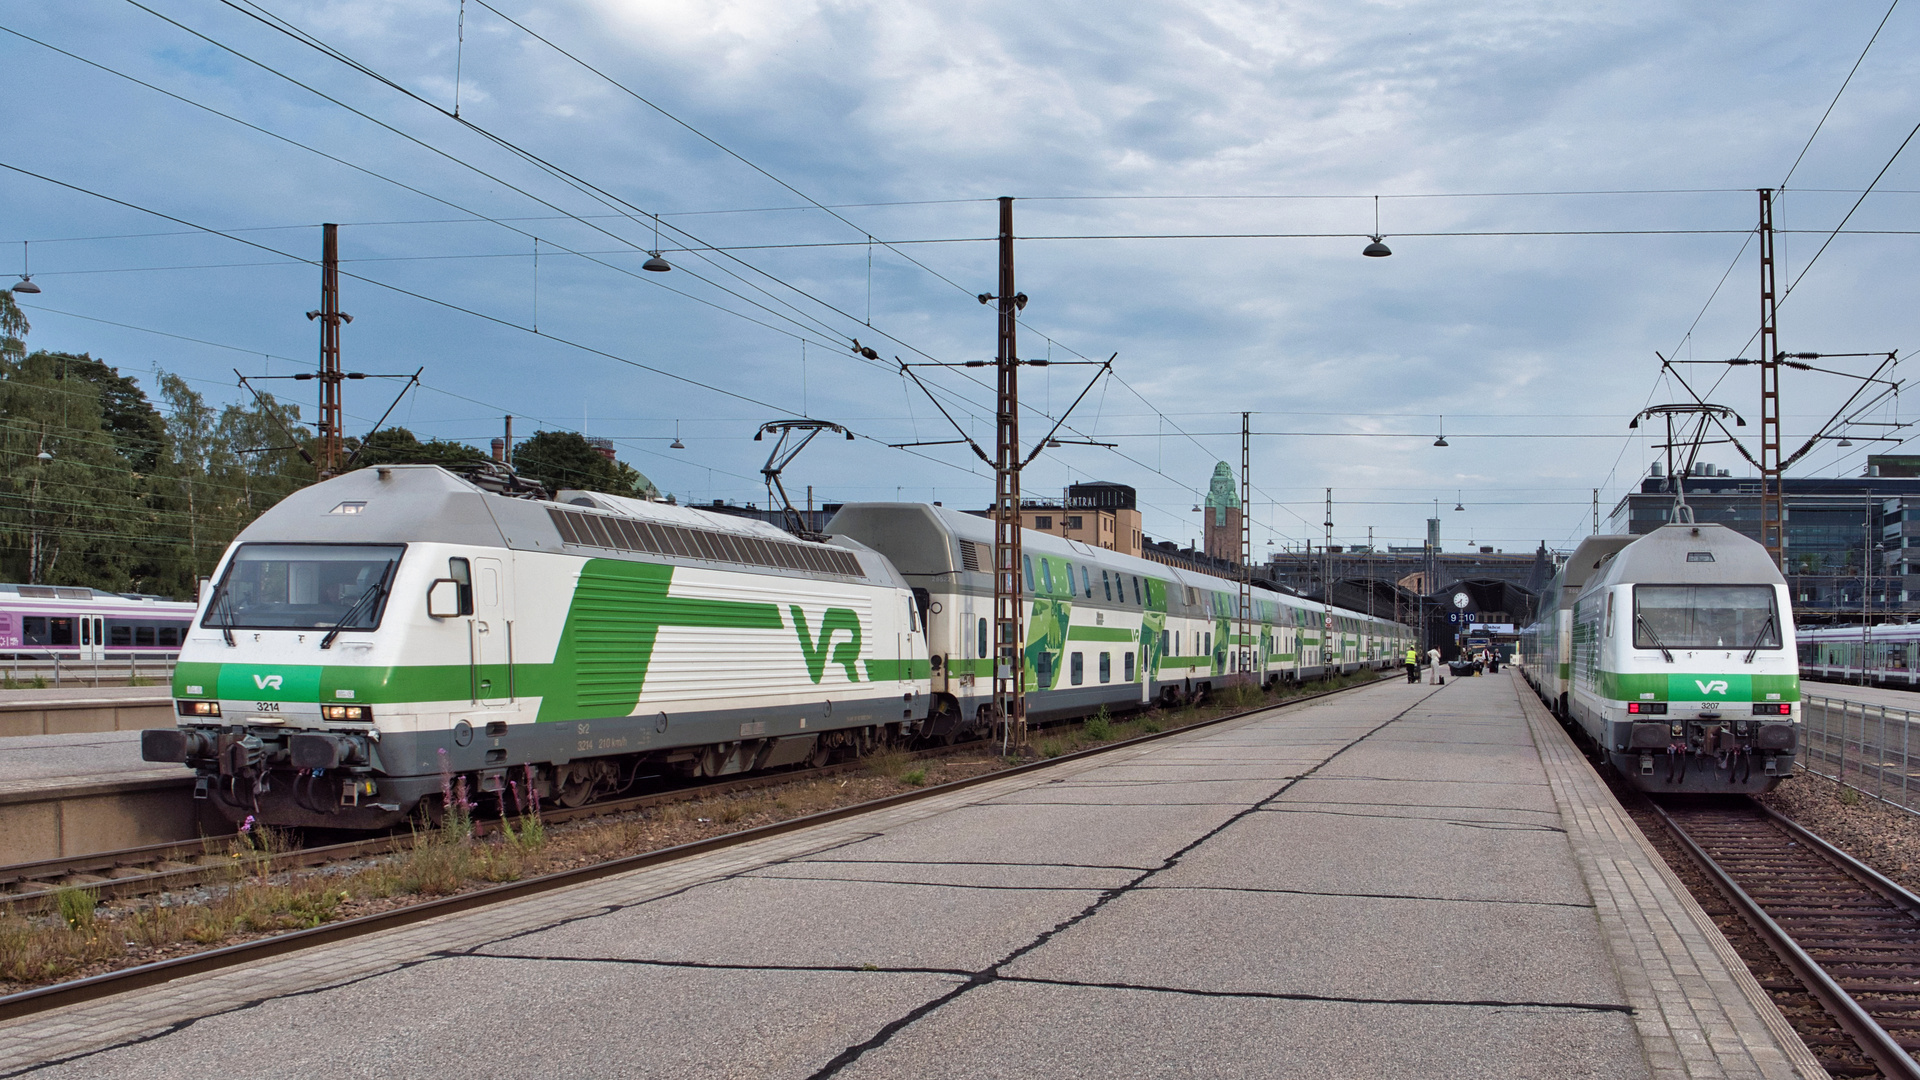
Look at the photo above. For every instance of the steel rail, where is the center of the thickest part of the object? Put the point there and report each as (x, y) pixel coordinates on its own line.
(101, 865)
(78, 991)
(1873, 1039)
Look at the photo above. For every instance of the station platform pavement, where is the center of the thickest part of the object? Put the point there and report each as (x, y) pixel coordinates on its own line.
(1399, 881)
(1870, 695)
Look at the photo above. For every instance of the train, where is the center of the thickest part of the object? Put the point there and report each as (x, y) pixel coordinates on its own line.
(378, 639)
(44, 622)
(1834, 654)
(1673, 654)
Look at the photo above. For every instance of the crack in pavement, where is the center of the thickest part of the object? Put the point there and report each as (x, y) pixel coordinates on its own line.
(1278, 995)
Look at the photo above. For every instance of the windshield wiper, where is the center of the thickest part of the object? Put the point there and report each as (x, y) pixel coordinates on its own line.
(1648, 627)
(379, 589)
(226, 606)
(1759, 637)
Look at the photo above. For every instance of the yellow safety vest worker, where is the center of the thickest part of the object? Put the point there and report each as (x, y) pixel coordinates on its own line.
(1413, 657)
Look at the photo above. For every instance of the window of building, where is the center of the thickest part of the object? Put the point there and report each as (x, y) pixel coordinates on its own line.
(1073, 521)
(1077, 672)
(1127, 665)
(1106, 667)
(1044, 523)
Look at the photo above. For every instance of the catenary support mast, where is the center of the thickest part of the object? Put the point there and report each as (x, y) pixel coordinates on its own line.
(1009, 678)
(1247, 651)
(1773, 532)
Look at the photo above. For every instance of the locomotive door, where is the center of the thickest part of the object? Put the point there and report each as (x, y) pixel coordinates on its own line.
(93, 637)
(492, 635)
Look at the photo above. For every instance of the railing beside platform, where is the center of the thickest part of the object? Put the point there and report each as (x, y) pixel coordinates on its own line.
(1868, 748)
(112, 671)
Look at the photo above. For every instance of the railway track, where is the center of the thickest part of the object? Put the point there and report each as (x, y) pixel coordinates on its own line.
(157, 868)
(59, 995)
(1850, 936)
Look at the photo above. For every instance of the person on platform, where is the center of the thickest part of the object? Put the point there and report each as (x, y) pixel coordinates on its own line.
(1413, 664)
(1433, 657)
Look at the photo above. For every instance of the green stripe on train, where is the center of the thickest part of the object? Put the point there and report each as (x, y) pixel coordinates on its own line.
(1697, 686)
(1099, 633)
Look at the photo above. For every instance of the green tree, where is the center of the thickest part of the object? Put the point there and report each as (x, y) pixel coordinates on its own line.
(69, 500)
(565, 459)
(13, 327)
(398, 446)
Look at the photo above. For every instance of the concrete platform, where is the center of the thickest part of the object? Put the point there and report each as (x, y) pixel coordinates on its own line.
(74, 709)
(1401, 881)
(1871, 695)
(78, 794)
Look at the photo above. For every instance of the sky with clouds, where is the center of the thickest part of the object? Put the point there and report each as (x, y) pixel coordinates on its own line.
(1566, 190)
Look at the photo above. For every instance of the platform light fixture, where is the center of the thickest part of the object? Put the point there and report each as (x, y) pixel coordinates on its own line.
(1442, 440)
(25, 284)
(1378, 248)
(654, 262)
(677, 444)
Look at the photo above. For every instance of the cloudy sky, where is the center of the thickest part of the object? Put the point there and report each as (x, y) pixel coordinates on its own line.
(1566, 189)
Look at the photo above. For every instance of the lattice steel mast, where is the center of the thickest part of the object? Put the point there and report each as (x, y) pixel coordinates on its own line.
(1772, 517)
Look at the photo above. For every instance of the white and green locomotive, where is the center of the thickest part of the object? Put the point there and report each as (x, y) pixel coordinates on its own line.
(1674, 653)
(372, 635)
(383, 634)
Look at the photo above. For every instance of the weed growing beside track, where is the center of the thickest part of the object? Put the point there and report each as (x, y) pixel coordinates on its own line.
(85, 936)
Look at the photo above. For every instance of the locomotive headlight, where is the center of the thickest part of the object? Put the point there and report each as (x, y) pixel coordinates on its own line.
(1678, 729)
(1652, 708)
(199, 708)
(346, 712)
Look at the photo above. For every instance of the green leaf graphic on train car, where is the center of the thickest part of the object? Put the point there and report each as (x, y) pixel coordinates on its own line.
(1153, 627)
(1046, 640)
(846, 654)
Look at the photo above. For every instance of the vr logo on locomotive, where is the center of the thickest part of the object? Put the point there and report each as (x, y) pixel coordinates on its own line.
(267, 682)
(1711, 686)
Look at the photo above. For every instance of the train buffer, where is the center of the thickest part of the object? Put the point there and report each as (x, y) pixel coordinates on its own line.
(1404, 880)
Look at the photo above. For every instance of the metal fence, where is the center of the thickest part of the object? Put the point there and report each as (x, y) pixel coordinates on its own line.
(116, 671)
(1866, 747)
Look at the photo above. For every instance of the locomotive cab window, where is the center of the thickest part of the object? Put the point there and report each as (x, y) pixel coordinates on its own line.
(304, 587)
(1705, 617)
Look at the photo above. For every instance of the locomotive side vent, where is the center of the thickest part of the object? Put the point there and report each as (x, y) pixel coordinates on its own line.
(656, 538)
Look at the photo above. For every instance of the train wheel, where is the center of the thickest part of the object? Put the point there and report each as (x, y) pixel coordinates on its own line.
(580, 782)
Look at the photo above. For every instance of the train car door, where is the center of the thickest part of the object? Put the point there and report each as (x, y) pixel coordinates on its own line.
(492, 635)
(93, 637)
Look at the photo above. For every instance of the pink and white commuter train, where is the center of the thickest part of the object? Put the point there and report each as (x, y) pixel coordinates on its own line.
(45, 621)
